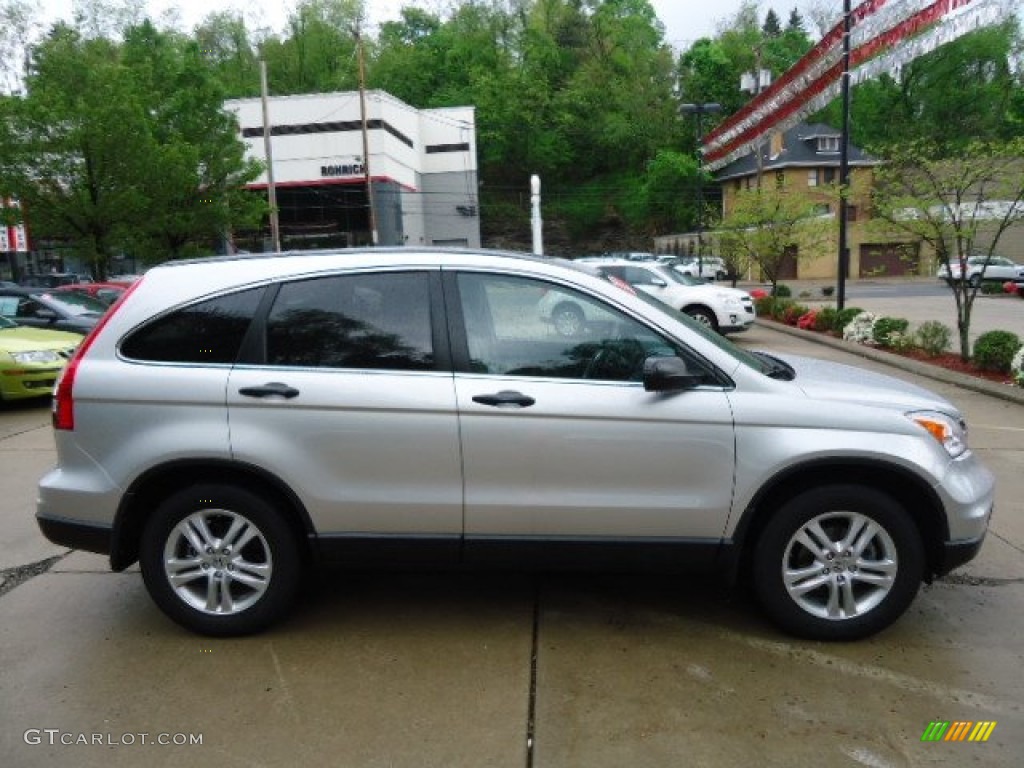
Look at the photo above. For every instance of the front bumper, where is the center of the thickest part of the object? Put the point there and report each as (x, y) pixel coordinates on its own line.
(956, 553)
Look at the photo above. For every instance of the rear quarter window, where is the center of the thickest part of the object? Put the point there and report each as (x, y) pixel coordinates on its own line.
(210, 331)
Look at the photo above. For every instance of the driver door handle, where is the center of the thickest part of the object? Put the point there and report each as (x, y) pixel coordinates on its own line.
(274, 388)
(505, 398)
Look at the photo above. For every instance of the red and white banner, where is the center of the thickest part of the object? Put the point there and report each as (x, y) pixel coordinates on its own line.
(885, 36)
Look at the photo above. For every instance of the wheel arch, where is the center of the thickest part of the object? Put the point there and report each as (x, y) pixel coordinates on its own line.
(158, 482)
(912, 492)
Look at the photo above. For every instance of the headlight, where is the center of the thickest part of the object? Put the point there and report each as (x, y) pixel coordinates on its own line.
(39, 357)
(951, 433)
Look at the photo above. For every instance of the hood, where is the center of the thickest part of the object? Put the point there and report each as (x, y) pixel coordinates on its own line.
(24, 339)
(825, 380)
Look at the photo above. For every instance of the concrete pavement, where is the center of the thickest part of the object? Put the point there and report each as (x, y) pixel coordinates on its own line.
(508, 670)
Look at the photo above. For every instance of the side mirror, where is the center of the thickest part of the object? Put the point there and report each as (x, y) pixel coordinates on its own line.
(669, 374)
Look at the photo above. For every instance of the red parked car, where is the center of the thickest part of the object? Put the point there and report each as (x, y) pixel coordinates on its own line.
(108, 293)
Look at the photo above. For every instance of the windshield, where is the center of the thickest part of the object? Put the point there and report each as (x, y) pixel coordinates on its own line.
(678, 277)
(7, 323)
(739, 354)
(76, 303)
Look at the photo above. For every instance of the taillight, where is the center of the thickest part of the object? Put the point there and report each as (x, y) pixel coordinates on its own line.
(63, 397)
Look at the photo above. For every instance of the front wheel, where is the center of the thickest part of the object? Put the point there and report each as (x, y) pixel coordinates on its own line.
(220, 560)
(568, 319)
(838, 563)
(703, 316)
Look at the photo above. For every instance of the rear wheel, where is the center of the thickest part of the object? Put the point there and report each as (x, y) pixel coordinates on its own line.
(838, 563)
(974, 280)
(220, 560)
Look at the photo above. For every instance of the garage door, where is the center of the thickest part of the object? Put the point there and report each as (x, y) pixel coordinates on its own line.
(889, 259)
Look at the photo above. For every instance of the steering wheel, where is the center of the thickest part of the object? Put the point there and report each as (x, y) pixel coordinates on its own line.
(617, 360)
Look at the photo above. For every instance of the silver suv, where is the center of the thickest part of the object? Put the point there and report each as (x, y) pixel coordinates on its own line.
(234, 420)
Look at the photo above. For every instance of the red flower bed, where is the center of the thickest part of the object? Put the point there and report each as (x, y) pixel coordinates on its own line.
(952, 362)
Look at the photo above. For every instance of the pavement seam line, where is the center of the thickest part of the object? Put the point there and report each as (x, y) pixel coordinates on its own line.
(531, 711)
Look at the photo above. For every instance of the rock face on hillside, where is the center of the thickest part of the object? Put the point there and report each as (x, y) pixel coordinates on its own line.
(609, 235)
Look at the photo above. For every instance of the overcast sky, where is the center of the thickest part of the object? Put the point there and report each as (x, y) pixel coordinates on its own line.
(684, 20)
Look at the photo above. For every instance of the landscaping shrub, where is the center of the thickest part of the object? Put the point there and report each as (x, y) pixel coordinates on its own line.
(844, 317)
(861, 329)
(885, 328)
(934, 338)
(825, 319)
(995, 350)
(764, 305)
(779, 308)
(807, 320)
(1017, 367)
(793, 312)
(828, 290)
(782, 291)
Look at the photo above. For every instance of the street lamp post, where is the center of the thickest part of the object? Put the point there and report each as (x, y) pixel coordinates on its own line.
(699, 110)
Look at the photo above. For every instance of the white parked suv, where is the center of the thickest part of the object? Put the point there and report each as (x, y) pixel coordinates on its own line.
(709, 268)
(233, 421)
(723, 309)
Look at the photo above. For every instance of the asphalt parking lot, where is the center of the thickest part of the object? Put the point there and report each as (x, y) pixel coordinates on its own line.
(434, 669)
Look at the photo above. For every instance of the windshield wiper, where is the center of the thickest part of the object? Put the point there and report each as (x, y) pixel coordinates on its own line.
(775, 368)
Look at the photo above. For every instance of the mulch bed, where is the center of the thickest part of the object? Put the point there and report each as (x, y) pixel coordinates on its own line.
(949, 361)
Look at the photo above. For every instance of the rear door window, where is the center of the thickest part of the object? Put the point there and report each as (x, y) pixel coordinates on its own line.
(366, 321)
(210, 331)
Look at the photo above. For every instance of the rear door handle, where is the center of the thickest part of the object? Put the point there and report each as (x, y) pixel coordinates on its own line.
(272, 389)
(505, 397)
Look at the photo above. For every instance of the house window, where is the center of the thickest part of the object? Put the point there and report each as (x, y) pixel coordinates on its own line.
(822, 209)
(851, 212)
(830, 175)
(812, 178)
(780, 179)
(828, 143)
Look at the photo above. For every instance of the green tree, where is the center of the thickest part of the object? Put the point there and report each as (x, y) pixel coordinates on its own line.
(114, 146)
(670, 192)
(958, 204)
(772, 27)
(318, 53)
(767, 226)
(227, 47)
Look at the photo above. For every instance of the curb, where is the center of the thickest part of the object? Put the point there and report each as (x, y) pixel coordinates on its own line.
(1006, 392)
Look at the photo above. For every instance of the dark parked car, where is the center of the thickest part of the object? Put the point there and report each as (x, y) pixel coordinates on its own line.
(40, 308)
(53, 279)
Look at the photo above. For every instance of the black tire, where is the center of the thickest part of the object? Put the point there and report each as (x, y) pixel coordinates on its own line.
(568, 319)
(974, 280)
(253, 584)
(703, 316)
(876, 578)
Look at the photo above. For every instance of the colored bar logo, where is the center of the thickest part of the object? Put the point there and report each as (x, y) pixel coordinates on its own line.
(958, 730)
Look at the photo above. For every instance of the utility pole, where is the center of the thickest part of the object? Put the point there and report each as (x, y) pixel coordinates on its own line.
(275, 227)
(699, 110)
(366, 135)
(844, 161)
(536, 223)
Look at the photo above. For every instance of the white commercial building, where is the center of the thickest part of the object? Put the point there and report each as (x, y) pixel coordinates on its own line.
(422, 169)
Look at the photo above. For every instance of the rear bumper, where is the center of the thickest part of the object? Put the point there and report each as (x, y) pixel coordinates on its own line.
(76, 534)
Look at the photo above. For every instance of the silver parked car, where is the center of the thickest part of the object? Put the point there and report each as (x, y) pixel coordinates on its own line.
(233, 420)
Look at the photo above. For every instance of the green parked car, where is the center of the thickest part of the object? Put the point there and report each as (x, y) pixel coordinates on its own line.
(31, 359)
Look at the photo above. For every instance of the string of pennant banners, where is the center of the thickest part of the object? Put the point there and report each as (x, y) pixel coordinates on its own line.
(885, 36)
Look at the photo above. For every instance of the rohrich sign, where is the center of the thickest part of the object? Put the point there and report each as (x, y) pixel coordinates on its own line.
(342, 169)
